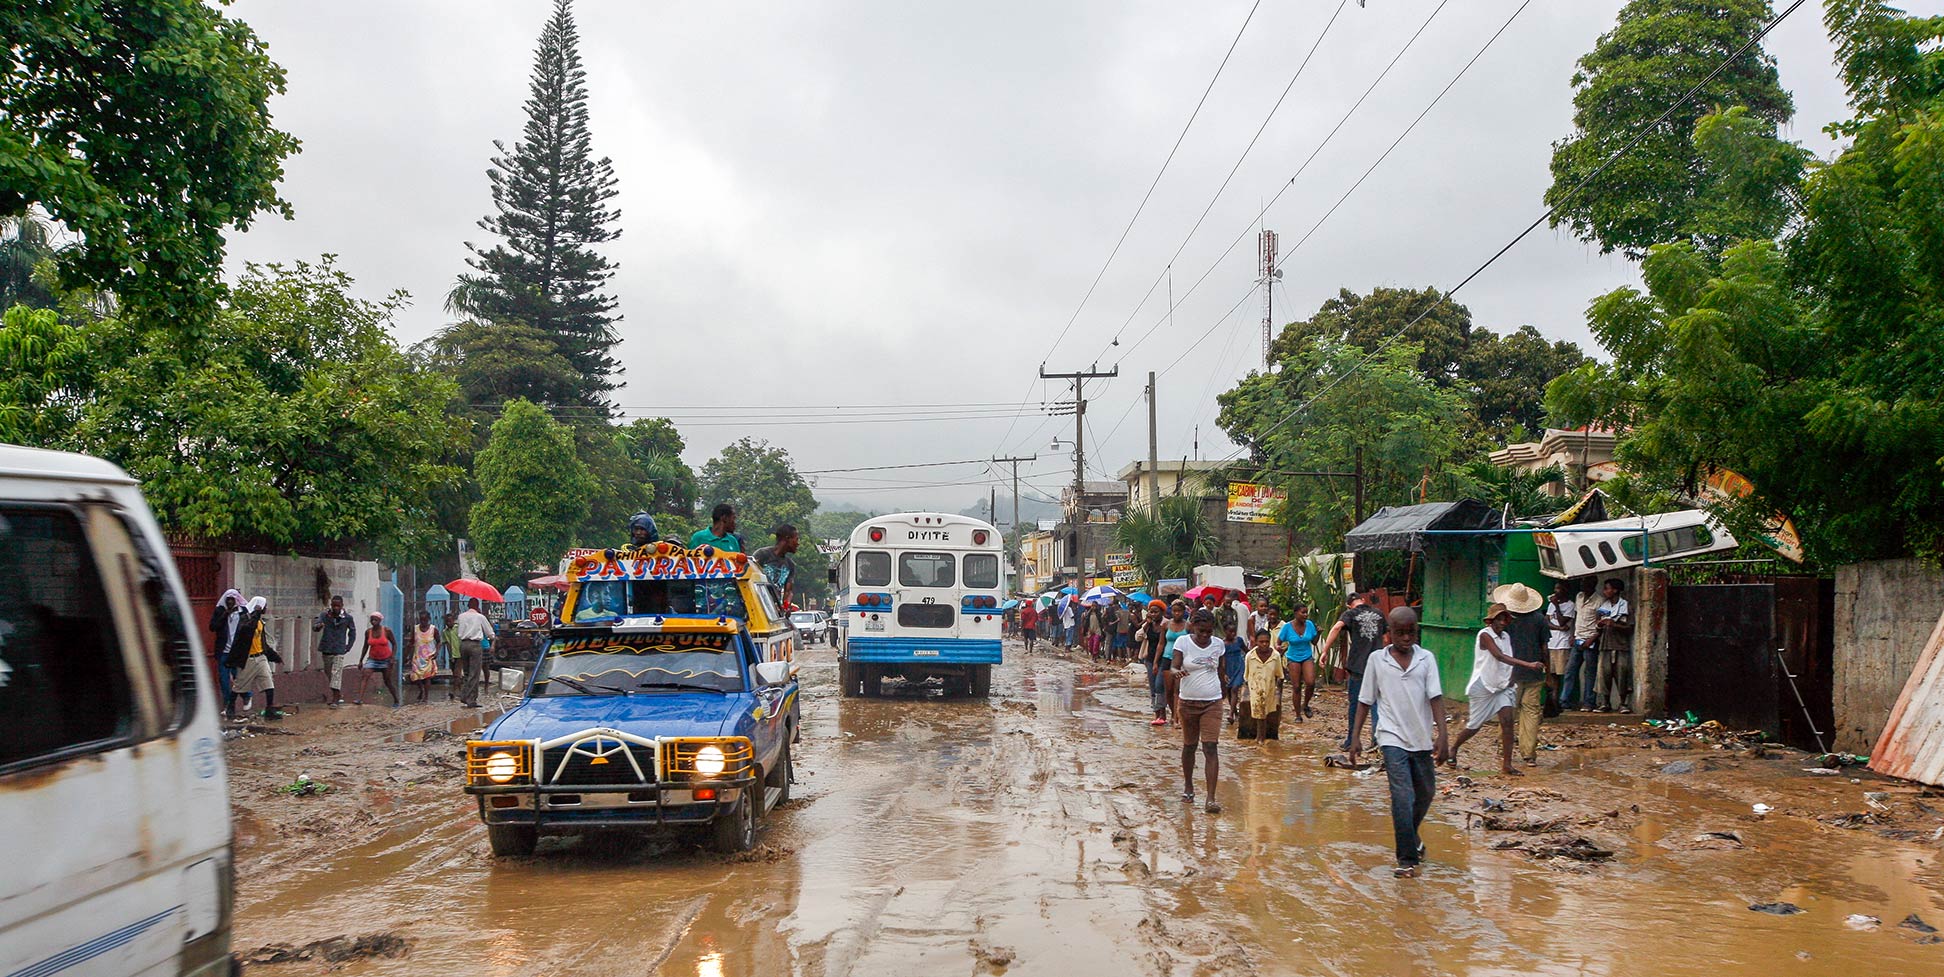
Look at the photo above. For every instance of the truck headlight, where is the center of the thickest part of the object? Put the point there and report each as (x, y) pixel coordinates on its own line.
(502, 767)
(709, 761)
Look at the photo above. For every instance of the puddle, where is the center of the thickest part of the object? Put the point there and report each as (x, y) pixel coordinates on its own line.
(457, 729)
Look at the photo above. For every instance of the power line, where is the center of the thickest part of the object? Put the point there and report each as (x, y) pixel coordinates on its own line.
(1004, 440)
(886, 468)
(1156, 182)
(1300, 67)
(1291, 182)
(1639, 135)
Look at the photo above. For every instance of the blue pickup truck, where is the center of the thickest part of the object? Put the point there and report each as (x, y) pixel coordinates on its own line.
(667, 699)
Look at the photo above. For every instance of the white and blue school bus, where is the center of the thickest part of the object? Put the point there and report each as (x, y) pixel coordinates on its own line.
(918, 595)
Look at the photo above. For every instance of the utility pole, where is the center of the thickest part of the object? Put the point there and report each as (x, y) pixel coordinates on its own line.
(1078, 516)
(1018, 550)
(1154, 463)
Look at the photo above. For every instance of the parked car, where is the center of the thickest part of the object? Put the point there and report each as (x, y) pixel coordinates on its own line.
(811, 626)
(113, 795)
(670, 702)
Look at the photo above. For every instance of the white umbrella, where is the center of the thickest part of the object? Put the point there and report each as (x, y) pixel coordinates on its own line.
(1101, 594)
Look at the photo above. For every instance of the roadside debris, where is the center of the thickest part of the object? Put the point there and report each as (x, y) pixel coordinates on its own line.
(337, 949)
(1914, 923)
(1777, 908)
(1714, 841)
(1858, 921)
(303, 786)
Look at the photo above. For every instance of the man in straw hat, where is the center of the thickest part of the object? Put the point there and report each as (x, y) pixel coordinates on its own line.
(1530, 634)
(1491, 690)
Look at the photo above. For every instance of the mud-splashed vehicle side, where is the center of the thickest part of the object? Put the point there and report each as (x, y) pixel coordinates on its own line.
(667, 699)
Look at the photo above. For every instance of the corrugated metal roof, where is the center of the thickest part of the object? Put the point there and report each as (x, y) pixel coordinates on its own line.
(1912, 744)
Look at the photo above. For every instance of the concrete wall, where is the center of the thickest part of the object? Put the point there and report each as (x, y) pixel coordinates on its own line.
(1255, 546)
(1884, 613)
(297, 594)
(1648, 593)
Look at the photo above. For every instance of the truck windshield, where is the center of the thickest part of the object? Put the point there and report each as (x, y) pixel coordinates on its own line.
(628, 663)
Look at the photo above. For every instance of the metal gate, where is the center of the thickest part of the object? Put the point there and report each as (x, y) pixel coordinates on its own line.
(1721, 661)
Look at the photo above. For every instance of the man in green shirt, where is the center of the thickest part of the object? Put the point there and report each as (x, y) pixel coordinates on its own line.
(721, 533)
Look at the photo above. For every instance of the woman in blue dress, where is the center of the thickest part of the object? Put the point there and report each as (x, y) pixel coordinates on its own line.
(1298, 638)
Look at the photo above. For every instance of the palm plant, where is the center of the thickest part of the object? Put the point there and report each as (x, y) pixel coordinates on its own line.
(1170, 539)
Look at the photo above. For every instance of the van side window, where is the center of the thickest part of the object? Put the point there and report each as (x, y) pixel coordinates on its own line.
(64, 683)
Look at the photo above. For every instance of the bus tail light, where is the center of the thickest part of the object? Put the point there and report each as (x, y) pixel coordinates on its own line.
(979, 537)
(877, 534)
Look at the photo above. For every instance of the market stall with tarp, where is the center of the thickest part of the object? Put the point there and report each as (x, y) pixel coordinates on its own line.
(1408, 527)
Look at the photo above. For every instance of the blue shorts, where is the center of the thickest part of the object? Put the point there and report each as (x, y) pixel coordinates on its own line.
(1295, 657)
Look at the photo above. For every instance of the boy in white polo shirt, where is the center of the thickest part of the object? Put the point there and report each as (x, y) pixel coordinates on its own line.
(1401, 685)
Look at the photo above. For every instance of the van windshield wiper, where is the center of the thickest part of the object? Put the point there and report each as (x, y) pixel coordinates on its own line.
(574, 683)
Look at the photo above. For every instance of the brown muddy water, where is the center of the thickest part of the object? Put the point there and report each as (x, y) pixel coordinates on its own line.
(1040, 833)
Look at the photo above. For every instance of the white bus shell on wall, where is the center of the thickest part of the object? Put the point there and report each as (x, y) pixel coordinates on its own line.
(1585, 549)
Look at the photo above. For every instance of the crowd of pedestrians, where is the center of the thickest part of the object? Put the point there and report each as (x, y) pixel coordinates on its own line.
(242, 655)
(1217, 657)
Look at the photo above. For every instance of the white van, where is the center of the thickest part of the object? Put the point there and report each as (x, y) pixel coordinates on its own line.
(114, 803)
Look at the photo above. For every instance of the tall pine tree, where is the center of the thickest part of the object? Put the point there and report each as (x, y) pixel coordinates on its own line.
(550, 198)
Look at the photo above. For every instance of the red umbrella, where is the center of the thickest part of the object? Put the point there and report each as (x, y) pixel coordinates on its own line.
(1195, 595)
(475, 588)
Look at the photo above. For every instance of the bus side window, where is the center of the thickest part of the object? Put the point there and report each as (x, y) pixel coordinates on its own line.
(1586, 558)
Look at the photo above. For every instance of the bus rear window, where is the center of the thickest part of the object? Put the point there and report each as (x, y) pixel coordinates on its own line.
(873, 568)
(927, 569)
(981, 571)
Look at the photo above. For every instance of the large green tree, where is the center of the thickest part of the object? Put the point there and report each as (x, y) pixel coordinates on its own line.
(1808, 363)
(1502, 377)
(656, 446)
(144, 127)
(761, 481)
(494, 362)
(550, 210)
(1330, 403)
(298, 424)
(533, 493)
(1664, 189)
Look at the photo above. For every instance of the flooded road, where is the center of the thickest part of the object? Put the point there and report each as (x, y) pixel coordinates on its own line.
(1040, 833)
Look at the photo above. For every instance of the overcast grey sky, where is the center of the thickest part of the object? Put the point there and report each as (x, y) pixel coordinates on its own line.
(903, 203)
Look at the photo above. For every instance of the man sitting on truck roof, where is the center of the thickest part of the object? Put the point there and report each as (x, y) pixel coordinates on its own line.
(721, 533)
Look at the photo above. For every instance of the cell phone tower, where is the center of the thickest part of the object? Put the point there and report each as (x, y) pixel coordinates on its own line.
(1268, 275)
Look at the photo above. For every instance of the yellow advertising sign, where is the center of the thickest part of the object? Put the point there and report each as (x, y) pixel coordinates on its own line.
(1253, 502)
(1126, 576)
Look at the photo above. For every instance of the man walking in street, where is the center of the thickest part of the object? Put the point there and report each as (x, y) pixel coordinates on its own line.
(473, 630)
(1530, 634)
(1615, 682)
(222, 632)
(1362, 627)
(721, 533)
(1585, 662)
(1069, 620)
(1199, 657)
(775, 561)
(336, 630)
(1401, 696)
(1028, 622)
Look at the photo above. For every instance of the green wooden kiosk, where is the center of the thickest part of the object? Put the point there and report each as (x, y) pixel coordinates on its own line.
(1466, 553)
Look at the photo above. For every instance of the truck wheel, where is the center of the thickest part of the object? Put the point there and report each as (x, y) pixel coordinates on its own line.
(849, 683)
(981, 681)
(512, 840)
(873, 681)
(737, 831)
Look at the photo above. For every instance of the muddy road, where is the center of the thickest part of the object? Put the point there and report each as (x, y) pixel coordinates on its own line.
(1041, 833)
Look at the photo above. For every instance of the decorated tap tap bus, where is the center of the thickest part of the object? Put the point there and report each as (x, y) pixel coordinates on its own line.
(918, 598)
(665, 699)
